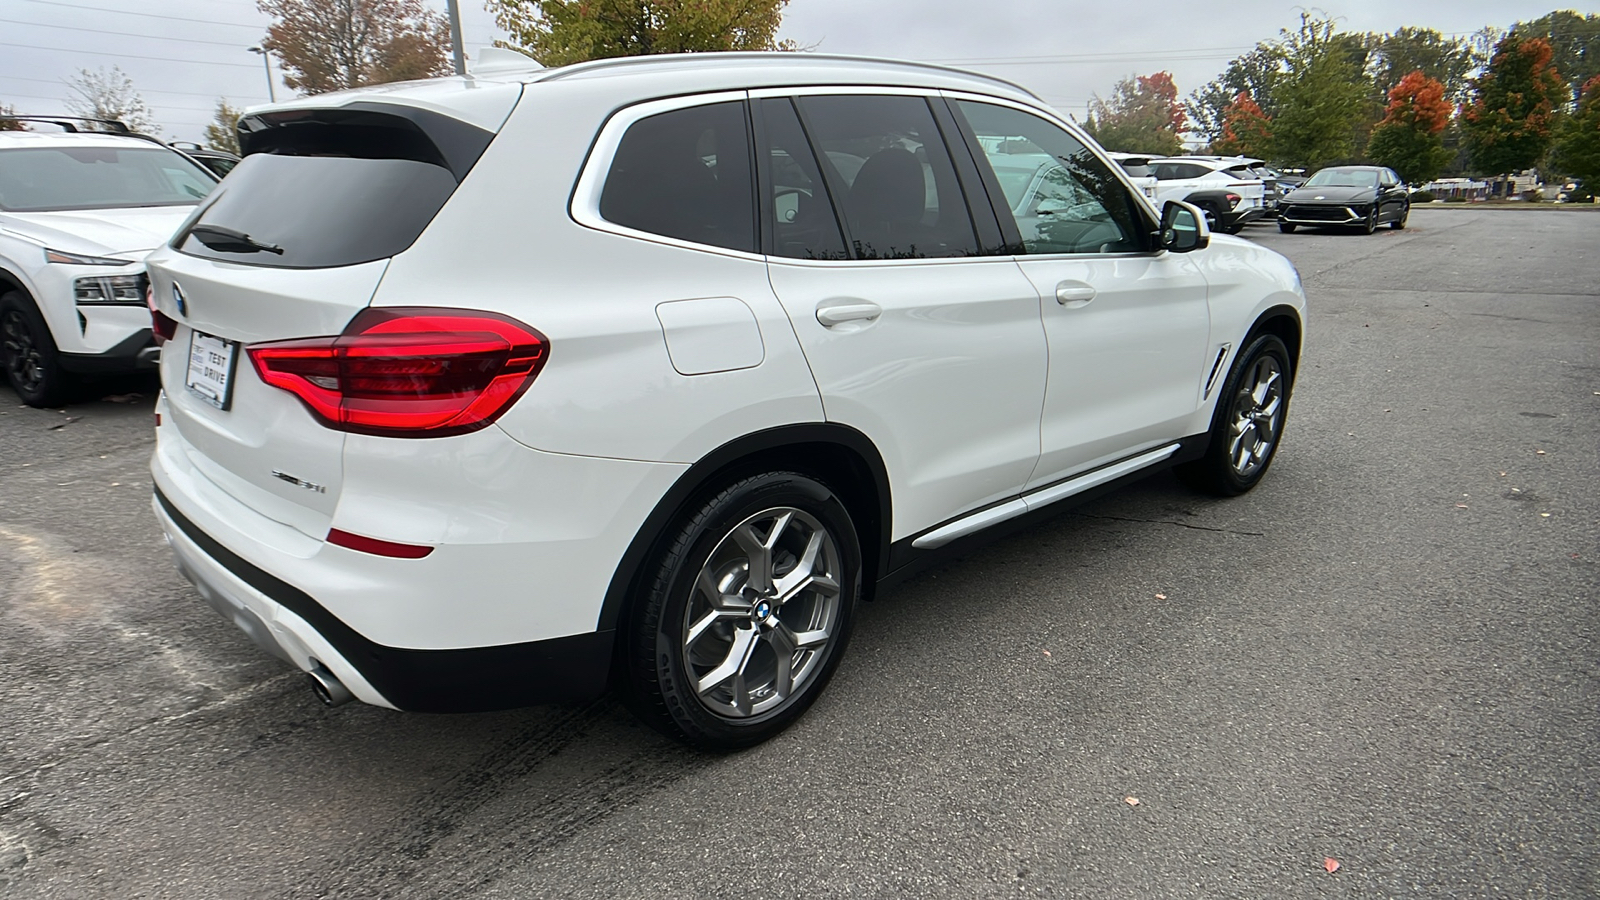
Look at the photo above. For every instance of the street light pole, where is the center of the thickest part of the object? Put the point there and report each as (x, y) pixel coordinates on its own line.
(266, 62)
(455, 36)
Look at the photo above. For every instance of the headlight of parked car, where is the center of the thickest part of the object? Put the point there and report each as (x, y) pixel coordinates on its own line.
(125, 290)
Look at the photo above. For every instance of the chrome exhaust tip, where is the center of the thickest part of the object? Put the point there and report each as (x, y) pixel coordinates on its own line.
(329, 689)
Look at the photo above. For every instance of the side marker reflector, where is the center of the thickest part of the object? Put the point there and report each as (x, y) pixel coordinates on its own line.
(375, 546)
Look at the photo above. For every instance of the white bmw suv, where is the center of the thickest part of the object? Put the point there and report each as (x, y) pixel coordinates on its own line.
(486, 391)
(78, 213)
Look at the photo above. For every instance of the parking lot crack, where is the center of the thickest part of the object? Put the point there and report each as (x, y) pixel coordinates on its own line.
(1169, 522)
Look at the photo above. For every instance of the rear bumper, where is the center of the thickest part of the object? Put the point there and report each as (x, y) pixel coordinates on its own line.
(290, 624)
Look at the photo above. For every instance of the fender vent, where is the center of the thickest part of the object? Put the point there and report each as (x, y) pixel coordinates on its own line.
(1216, 370)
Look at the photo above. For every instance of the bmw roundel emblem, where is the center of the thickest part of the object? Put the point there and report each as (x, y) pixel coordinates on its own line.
(178, 298)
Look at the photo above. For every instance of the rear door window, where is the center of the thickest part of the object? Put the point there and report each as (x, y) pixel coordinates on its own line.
(797, 212)
(686, 174)
(889, 172)
(326, 188)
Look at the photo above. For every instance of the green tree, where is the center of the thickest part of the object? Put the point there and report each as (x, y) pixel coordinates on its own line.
(1255, 73)
(1246, 130)
(223, 132)
(561, 32)
(1508, 123)
(110, 94)
(332, 45)
(1143, 115)
(1450, 61)
(1323, 97)
(1578, 150)
(1574, 44)
(1410, 139)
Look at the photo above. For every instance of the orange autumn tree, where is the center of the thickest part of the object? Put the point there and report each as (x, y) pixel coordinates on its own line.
(1246, 130)
(1410, 139)
(1509, 121)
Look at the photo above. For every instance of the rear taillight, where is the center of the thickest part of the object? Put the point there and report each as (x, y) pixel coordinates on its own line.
(408, 372)
(1233, 200)
(162, 326)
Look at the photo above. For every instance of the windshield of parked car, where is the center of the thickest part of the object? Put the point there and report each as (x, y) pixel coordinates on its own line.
(1344, 178)
(50, 179)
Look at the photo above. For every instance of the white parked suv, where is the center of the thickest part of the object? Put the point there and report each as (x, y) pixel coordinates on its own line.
(1224, 188)
(485, 391)
(78, 213)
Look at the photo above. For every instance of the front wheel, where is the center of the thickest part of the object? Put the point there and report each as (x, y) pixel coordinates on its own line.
(1400, 223)
(28, 354)
(747, 613)
(1371, 224)
(1248, 423)
(1286, 227)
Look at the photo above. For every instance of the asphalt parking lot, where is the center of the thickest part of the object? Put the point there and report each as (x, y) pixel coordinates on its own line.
(1387, 656)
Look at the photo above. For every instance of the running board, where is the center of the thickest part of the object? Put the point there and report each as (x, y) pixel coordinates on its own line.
(1040, 498)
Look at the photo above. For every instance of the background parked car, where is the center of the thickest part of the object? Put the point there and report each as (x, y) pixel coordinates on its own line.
(1360, 196)
(79, 211)
(1223, 188)
(220, 162)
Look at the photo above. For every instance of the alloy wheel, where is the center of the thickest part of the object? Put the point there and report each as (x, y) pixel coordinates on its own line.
(763, 610)
(24, 361)
(1257, 417)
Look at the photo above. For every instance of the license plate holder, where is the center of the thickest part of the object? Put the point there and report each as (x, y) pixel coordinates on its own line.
(212, 361)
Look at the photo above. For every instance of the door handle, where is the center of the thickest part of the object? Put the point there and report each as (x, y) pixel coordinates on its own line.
(839, 313)
(1074, 294)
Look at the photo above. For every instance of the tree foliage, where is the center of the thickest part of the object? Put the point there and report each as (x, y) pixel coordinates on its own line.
(1246, 130)
(223, 132)
(1410, 138)
(1323, 96)
(332, 45)
(1574, 44)
(1508, 123)
(8, 124)
(561, 32)
(1578, 149)
(1143, 115)
(1255, 73)
(1450, 61)
(103, 94)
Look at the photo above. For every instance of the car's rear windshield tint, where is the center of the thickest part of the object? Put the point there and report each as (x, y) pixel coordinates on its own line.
(52, 179)
(333, 188)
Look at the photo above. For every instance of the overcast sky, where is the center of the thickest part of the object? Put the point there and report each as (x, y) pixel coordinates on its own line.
(184, 54)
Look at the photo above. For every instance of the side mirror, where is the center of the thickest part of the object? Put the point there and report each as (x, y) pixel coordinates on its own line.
(1183, 228)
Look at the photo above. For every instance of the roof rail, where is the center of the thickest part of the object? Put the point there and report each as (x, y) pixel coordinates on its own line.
(73, 125)
(666, 59)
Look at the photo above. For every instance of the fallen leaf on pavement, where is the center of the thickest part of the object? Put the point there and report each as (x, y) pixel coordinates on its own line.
(1461, 506)
(1047, 653)
(1131, 801)
(1161, 596)
(1544, 515)
(64, 423)
(1331, 864)
(1539, 453)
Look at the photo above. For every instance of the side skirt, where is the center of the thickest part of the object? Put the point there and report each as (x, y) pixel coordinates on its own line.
(1003, 519)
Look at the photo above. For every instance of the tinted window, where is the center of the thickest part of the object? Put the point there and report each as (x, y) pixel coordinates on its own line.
(1179, 171)
(800, 216)
(1063, 198)
(891, 176)
(1242, 173)
(686, 174)
(39, 179)
(333, 188)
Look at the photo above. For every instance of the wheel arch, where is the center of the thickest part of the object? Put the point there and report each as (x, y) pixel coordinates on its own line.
(1284, 321)
(841, 456)
(10, 281)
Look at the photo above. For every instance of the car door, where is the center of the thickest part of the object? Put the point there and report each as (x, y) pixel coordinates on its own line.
(1127, 325)
(1392, 195)
(933, 351)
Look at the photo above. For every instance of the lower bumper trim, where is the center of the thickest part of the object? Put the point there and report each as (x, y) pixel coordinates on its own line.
(475, 679)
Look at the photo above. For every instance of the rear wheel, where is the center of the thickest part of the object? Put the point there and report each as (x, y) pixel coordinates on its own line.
(28, 353)
(1248, 423)
(747, 613)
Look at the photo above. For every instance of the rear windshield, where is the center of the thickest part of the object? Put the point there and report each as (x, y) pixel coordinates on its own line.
(50, 179)
(333, 188)
(1135, 168)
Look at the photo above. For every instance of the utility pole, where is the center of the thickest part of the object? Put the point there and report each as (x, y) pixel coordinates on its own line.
(455, 37)
(266, 61)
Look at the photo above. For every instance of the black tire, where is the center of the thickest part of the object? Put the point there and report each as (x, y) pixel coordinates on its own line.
(1286, 227)
(28, 354)
(1400, 223)
(1234, 228)
(1371, 224)
(1220, 471)
(679, 639)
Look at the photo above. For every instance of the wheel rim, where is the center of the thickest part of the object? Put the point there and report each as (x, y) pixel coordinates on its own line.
(23, 360)
(762, 613)
(1257, 416)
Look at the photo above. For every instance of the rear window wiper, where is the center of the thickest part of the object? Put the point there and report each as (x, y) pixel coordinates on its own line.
(229, 240)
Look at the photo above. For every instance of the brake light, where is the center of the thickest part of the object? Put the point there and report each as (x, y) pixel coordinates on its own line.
(1233, 200)
(408, 371)
(162, 326)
